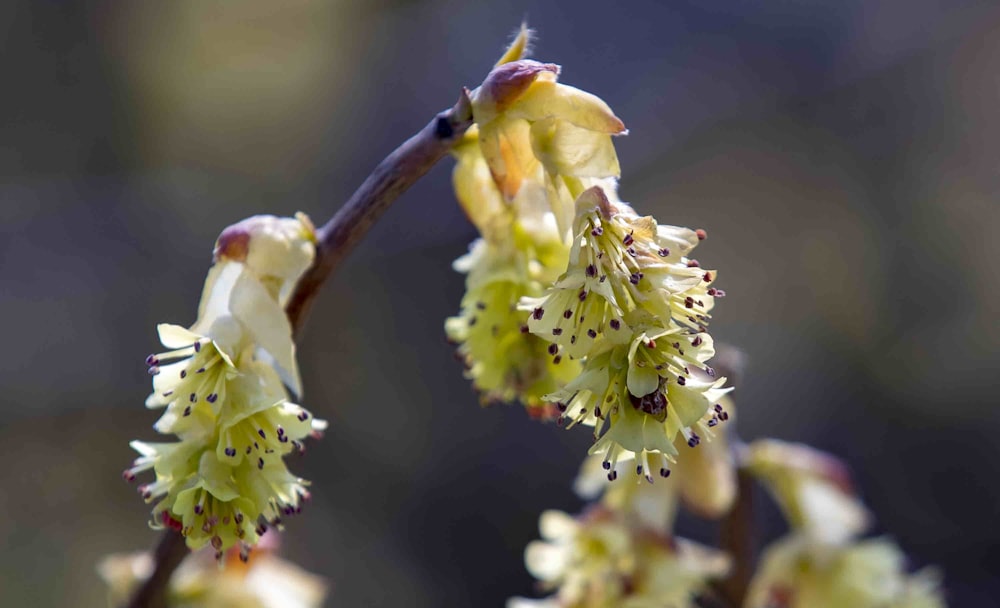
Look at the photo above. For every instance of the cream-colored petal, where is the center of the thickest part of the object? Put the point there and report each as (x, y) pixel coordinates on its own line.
(687, 403)
(506, 146)
(555, 524)
(544, 561)
(547, 99)
(175, 336)
(215, 295)
(266, 321)
(565, 149)
(642, 380)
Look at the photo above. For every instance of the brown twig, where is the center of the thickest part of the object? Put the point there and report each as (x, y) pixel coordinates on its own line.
(335, 239)
(391, 177)
(169, 554)
(737, 539)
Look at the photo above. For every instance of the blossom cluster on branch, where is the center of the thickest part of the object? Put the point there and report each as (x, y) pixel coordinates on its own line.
(222, 387)
(589, 313)
(576, 306)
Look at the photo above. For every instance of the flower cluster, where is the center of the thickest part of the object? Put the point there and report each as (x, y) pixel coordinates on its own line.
(264, 581)
(221, 384)
(634, 309)
(621, 551)
(536, 144)
(575, 305)
(601, 559)
(821, 563)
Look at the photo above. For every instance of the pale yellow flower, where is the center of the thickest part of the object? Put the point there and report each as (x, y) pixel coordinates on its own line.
(813, 489)
(604, 559)
(504, 361)
(258, 261)
(264, 581)
(704, 479)
(620, 262)
(526, 118)
(796, 573)
(521, 250)
(643, 394)
(222, 387)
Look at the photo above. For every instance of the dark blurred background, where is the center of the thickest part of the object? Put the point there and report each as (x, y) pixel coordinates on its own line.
(842, 156)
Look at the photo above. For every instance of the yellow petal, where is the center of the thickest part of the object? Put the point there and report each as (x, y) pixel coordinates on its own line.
(547, 99)
(506, 146)
(266, 321)
(567, 149)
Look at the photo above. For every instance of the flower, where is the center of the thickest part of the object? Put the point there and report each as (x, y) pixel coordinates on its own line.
(525, 117)
(813, 490)
(620, 262)
(643, 394)
(705, 480)
(258, 261)
(795, 573)
(521, 251)
(602, 559)
(820, 564)
(222, 387)
(504, 361)
(265, 581)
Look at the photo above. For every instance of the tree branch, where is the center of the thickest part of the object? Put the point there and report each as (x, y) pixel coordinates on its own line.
(335, 239)
(737, 539)
(391, 177)
(169, 554)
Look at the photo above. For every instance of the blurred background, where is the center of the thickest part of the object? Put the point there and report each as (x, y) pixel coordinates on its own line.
(842, 156)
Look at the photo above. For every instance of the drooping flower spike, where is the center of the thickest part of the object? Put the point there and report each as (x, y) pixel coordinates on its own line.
(602, 559)
(222, 386)
(265, 581)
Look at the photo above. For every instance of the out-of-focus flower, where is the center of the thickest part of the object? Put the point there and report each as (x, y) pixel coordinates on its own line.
(221, 384)
(704, 480)
(266, 581)
(820, 564)
(521, 251)
(796, 573)
(504, 362)
(602, 559)
(813, 489)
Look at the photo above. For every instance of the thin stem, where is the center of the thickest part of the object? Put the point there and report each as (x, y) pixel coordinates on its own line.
(169, 554)
(335, 239)
(737, 539)
(391, 177)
